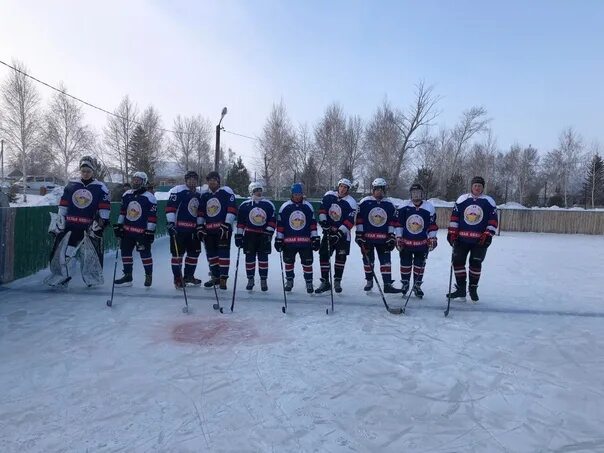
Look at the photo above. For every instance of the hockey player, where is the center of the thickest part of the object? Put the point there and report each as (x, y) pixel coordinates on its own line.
(83, 211)
(375, 224)
(217, 213)
(255, 228)
(415, 237)
(297, 233)
(471, 230)
(336, 217)
(181, 216)
(136, 228)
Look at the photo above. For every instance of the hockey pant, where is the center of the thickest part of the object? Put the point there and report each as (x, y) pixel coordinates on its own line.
(460, 253)
(412, 260)
(289, 259)
(218, 251)
(188, 244)
(385, 262)
(256, 245)
(341, 249)
(129, 242)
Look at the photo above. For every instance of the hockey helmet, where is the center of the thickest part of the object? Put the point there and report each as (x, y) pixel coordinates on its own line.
(477, 180)
(191, 174)
(346, 182)
(213, 175)
(416, 191)
(379, 183)
(87, 162)
(297, 188)
(255, 186)
(142, 175)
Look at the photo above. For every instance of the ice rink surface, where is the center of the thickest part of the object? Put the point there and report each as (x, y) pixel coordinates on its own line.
(521, 371)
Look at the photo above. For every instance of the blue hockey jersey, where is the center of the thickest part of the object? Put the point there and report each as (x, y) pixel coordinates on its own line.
(217, 208)
(182, 208)
(256, 216)
(138, 211)
(376, 219)
(473, 216)
(296, 224)
(338, 212)
(415, 224)
(81, 201)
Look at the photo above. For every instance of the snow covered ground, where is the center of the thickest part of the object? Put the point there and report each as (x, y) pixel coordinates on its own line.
(520, 372)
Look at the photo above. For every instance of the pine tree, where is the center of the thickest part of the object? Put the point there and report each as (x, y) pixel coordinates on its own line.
(425, 177)
(238, 177)
(593, 185)
(141, 156)
(310, 177)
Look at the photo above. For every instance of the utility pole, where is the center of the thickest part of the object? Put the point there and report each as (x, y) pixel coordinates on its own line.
(2, 158)
(217, 152)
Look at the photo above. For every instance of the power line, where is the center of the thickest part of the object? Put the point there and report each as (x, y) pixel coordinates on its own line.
(65, 93)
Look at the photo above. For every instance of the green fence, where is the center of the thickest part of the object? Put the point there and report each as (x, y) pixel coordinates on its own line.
(25, 244)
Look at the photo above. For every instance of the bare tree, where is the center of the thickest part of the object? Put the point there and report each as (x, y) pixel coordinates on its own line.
(152, 124)
(21, 120)
(352, 152)
(410, 121)
(329, 141)
(571, 146)
(118, 133)
(67, 138)
(190, 144)
(276, 146)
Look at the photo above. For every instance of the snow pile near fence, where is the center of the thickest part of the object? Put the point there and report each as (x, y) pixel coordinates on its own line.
(511, 205)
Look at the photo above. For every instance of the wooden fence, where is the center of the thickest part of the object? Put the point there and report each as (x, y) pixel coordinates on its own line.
(540, 220)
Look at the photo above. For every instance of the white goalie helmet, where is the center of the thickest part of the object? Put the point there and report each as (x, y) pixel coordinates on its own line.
(346, 182)
(379, 182)
(142, 175)
(255, 186)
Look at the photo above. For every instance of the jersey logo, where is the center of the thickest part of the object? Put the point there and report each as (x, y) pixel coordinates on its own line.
(213, 207)
(297, 220)
(257, 217)
(335, 212)
(134, 211)
(193, 206)
(415, 224)
(82, 198)
(377, 217)
(473, 214)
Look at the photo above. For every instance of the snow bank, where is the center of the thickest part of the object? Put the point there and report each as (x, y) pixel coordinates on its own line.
(511, 205)
(438, 203)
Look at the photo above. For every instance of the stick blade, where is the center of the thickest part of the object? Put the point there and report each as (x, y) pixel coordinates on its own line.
(396, 311)
(109, 303)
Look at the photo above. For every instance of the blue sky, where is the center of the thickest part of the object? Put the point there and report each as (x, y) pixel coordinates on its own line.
(535, 66)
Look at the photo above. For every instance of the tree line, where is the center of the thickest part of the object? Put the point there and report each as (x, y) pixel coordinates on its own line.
(402, 144)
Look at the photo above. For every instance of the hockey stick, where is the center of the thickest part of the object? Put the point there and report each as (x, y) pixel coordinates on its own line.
(394, 311)
(330, 276)
(284, 308)
(185, 309)
(449, 293)
(235, 282)
(117, 250)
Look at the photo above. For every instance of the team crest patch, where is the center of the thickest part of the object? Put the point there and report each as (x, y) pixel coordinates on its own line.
(473, 214)
(297, 220)
(377, 217)
(257, 217)
(193, 206)
(134, 211)
(213, 207)
(415, 224)
(335, 212)
(82, 198)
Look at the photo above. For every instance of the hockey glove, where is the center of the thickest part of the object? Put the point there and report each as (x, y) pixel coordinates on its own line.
(149, 236)
(201, 232)
(96, 229)
(171, 227)
(400, 244)
(452, 238)
(390, 242)
(315, 243)
(118, 230)
(360, 240)
(432, 243)
(485, 239)
(239, 240)
(279, 244)
(335, 237)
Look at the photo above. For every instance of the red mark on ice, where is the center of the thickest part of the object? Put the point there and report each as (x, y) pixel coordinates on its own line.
(215, 332)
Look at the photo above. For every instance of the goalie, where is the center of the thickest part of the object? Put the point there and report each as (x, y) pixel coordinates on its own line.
(78, 229)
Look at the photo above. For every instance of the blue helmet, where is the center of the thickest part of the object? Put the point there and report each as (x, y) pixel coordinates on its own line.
(297, 188)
